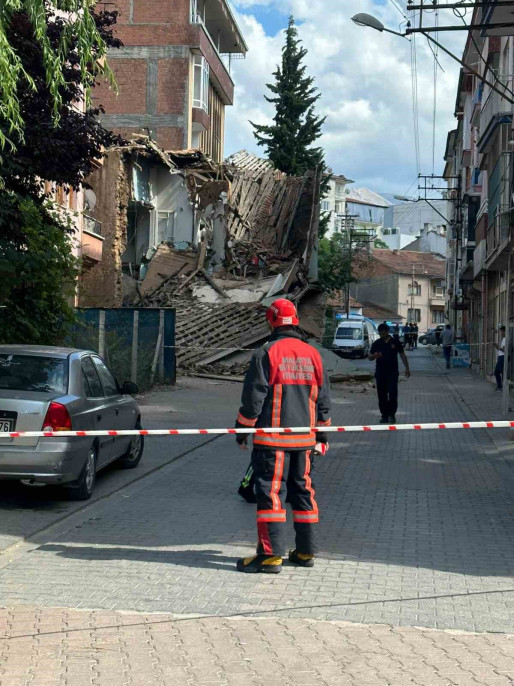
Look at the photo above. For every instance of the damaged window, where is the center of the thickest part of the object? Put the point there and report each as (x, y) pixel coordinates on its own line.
(201, 83)
(165, 227)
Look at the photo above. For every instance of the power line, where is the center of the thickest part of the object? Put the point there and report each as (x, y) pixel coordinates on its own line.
(435, 52)
(415, 110)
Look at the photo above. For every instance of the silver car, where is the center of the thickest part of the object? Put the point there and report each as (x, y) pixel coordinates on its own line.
(63, 389)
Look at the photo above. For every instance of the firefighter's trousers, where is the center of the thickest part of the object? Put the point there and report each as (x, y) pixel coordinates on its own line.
(274, 470)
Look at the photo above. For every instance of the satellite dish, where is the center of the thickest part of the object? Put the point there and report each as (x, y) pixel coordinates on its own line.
(90, 196)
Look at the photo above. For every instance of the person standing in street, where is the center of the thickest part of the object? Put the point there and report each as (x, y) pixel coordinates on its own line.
(447, 341)
(386, 351)
(407, 336)
(415, 332)
(500, 360)
(286, 385)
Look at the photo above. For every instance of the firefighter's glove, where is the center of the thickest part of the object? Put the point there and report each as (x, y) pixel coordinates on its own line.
(241, 439)
(321, 437)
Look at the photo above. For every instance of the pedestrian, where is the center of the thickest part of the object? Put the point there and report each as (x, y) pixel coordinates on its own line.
(286, 385)
(447, 341)
(438, 334)
(396, 331)
(385, 351)
(406, 336)
(500, 360)
(415, 332)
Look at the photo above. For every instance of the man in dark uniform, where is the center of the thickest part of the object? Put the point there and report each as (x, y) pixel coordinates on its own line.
(285, 386)
(385, 351)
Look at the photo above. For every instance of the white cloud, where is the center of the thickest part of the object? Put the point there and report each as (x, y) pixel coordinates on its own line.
(365, 80)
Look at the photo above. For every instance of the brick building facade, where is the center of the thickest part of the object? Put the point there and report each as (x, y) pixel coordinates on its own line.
(172, 72)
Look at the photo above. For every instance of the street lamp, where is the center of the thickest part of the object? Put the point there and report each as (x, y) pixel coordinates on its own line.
(363, 19)
(404, 198)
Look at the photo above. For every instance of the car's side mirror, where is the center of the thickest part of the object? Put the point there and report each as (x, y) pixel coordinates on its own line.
(129, 388)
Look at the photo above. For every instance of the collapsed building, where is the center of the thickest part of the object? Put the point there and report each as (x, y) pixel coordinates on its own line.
(217, 242)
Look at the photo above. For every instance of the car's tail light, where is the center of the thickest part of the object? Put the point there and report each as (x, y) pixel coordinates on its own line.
(57, 418)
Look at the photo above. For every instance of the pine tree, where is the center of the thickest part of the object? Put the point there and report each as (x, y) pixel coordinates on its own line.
(289, 140)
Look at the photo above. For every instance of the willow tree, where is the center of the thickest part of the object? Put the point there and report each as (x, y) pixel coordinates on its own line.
(53, 140)
(79, 28)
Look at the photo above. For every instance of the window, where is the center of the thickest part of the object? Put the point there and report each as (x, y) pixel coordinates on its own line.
(413, 315)
(201, 83)
(339, 207)
(395, 232)
(33, 373)
(325, 206)
(165, 227)
(109, 384)
(349, 333)
(437, 316)
(415, 288)
(386, 232)
(92, 384)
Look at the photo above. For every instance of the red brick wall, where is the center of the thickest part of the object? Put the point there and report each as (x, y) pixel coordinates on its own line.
(172, 85)
(130, 76)
(171, 138)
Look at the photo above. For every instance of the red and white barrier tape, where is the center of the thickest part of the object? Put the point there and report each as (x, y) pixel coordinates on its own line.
(275, 430)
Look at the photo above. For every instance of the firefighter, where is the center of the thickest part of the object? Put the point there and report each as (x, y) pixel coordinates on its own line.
(285, 386)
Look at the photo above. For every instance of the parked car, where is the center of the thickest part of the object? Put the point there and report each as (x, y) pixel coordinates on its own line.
(353, 338)
(430, 337)
(63, 389)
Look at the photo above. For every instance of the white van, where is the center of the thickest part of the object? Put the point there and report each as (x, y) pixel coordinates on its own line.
(354, 337)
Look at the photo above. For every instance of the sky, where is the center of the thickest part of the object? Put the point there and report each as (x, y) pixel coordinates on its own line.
(365, 80)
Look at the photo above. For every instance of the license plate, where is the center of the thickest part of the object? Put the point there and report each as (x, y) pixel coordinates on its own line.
(6, 426)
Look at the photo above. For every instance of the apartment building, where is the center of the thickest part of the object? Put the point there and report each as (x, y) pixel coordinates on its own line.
(411, 284)
(479, 175)
(406, 223)
(173, 72)
(367, 210)
(335, 202)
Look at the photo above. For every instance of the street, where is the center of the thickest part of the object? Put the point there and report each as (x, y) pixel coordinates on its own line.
(417, 530)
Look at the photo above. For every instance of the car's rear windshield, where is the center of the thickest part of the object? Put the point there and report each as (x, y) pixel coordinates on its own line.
(33, 373)
(349, 333)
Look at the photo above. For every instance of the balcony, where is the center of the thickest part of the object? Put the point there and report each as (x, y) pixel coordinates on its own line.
(219, 40)
(499, 239)
(92, 241)
(495, 110)
(479, 256)
(92, 225)
(437, 299)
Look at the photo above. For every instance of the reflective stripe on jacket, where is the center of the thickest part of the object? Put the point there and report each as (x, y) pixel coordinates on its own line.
(285, 386)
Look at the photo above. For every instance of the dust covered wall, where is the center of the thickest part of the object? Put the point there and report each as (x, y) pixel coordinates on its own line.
(171, 196)
(101, 284)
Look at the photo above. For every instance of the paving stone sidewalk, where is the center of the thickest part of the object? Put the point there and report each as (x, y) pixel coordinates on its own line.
(55, 647)
(417, 531)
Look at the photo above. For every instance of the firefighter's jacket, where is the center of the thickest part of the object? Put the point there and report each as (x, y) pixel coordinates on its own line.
(285, 386)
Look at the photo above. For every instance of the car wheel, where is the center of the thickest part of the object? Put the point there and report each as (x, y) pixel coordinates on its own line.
(83, 488)
(134, 453)
(423, 341)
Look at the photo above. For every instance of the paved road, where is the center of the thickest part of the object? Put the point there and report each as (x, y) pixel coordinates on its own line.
(417, 531)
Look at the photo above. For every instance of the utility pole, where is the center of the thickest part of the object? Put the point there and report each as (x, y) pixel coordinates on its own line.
(412, 293)
(347, 229)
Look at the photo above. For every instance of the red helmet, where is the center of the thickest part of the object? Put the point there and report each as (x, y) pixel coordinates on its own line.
(282, 312)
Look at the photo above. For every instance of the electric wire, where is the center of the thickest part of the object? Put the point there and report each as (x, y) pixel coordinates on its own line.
(435, 53)
(415, 110)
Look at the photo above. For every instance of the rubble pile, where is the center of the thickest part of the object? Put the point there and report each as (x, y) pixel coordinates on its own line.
(253, 238)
